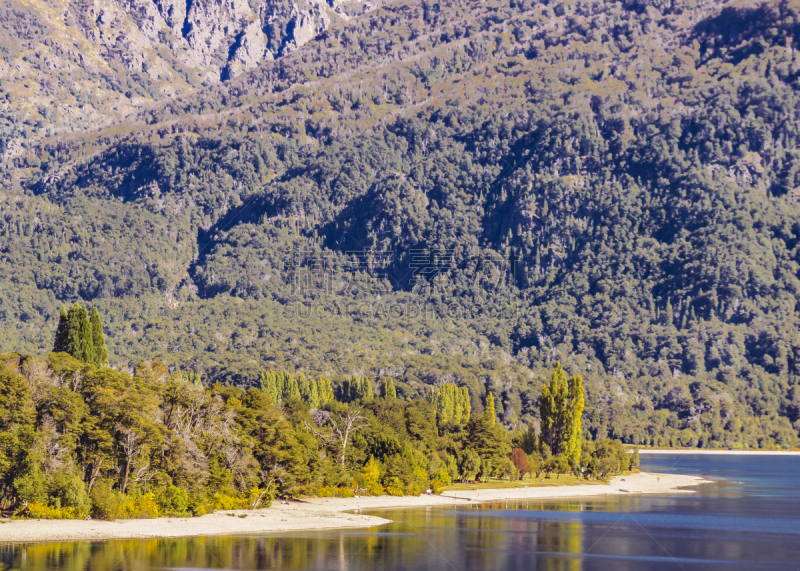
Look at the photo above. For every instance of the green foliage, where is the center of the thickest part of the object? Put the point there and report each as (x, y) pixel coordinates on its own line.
(80, 338)
(490, 413)
(105, 500)
(451, 403)
(62, 332)
(100, 355)
(173, 501)
(387, 388)
(561, 409)
(651, 249)
(67, 490)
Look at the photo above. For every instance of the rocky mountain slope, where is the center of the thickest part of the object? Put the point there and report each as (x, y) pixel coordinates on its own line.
(458, 191)
(71, 66)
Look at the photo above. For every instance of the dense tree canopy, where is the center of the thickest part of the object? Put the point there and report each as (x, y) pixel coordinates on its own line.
(463, 192)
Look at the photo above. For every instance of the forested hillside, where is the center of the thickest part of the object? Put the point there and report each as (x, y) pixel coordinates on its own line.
(457, 192)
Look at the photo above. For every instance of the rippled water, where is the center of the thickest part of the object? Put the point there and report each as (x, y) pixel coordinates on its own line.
(748, 519)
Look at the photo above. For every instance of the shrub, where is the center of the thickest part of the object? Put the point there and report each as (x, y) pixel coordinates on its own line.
(413, 489)
(144, 506)
(31, 486)
(375, 489)
(226, 502)
(37, 510)
(394, 487)
(437, 486)
(173, 501)
(105, 500)
(68, 491)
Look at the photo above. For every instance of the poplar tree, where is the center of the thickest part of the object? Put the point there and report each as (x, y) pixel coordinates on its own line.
(560, 410)
(100, 356)
(62, 332)
(325, 391)
(366, 390)
(572, 447)
(387, 389)
(269, 385)
(490, 411)
(466, 404)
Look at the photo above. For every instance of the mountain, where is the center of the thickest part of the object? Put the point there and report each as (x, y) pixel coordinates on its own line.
(453, 191)
(69, 66)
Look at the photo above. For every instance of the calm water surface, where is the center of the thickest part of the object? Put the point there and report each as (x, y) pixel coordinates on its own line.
(748, 519)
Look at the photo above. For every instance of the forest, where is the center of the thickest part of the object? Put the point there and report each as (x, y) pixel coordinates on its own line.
(79, 439)
(457, 193)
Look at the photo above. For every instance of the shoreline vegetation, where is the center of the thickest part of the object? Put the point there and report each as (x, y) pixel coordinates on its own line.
(80, 440)
(315, 514)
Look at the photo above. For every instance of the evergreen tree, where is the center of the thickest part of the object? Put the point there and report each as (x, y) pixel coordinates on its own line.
(80, 343)
(490, 412)
(100, 356)
(62, 332)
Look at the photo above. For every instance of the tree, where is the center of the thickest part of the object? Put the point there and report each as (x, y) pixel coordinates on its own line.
(490, 411)
(62, 332)
(344, 426)
(98, 340)
(572, 447)
(387, 389)
(451, 403)
(530, 440)
(80, 341)
(371, 471)
(560, 408)
(469, 464)
(489, 441)
(325, 391)
(520, 461)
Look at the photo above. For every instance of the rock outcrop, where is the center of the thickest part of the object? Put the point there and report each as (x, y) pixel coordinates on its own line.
(66, 66)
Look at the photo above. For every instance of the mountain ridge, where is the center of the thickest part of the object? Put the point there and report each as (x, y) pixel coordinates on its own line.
(634, 164)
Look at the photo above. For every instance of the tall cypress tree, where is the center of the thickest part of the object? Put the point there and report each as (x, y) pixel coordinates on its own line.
(490, 411)
(98, 340)
(79, 337)
(62, 332)
(87, 338)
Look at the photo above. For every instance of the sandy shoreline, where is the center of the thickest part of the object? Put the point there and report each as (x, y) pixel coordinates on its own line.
(721, 452)
(318, 513)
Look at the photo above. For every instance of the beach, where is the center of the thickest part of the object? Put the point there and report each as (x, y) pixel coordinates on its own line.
(311, 514)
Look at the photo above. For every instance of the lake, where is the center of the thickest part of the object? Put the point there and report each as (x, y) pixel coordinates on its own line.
(748, 519)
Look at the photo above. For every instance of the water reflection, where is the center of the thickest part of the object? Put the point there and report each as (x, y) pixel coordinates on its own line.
(723, 527)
